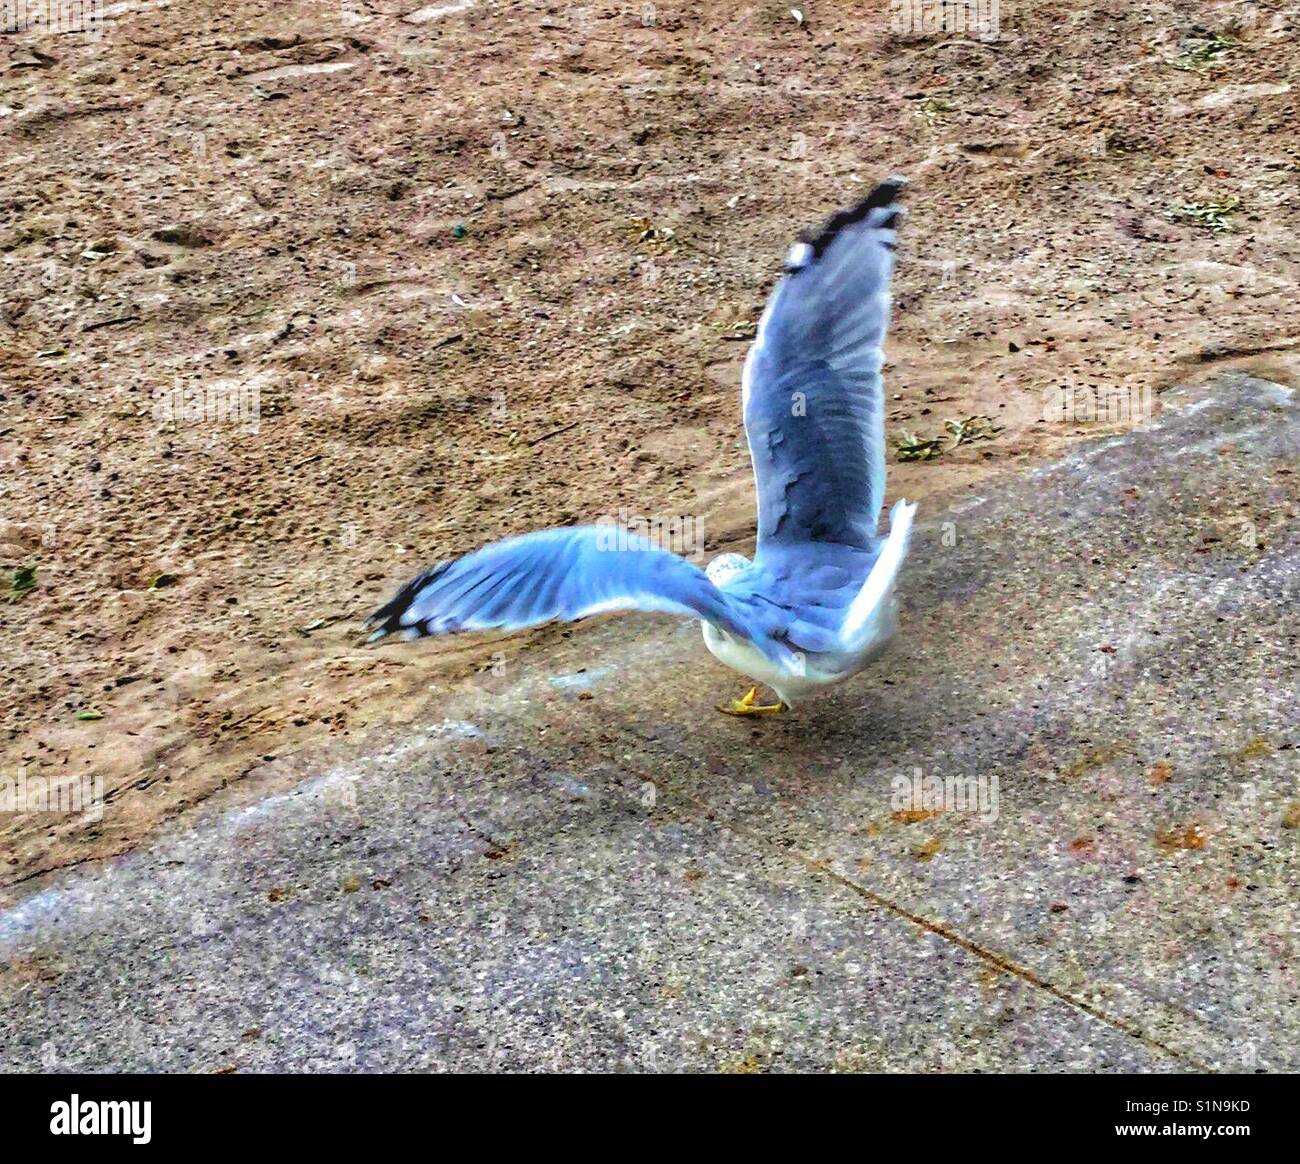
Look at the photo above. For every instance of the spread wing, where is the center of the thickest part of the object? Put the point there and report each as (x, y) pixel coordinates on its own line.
(813, 397)
(564, 574)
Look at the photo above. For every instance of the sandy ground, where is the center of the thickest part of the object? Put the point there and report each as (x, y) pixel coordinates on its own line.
(492, 269)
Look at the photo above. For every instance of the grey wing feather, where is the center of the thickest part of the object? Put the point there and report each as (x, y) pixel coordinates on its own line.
(564, 574)
(813, 396)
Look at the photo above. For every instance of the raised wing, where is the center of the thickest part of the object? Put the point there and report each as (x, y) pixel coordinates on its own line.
(564, 574)
(813, 398)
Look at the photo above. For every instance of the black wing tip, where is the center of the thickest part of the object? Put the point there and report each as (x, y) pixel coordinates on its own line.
(387, 619)
(881, 197)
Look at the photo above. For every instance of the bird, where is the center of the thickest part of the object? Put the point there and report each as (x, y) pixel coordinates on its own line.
(816, 603)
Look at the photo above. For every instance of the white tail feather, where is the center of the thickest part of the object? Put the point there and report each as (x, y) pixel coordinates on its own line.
(880, 581)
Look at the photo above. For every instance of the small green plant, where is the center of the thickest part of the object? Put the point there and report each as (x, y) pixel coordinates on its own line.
(934, 109)
(22, 580)
(972, 428)
(1203, 52)
(649, 236)
(914, 448)
(1214, 216)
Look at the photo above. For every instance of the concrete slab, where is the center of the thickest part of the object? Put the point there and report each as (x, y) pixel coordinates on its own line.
(1099, 668)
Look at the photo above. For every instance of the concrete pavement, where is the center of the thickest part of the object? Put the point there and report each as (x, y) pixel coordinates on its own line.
(1055, 829)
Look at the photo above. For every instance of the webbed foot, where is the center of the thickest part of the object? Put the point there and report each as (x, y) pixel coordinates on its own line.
(748, 705)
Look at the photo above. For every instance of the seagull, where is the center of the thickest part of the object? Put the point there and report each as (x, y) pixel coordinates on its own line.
(816, 603)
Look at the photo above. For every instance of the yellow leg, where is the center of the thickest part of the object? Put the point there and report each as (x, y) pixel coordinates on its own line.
(748, 705)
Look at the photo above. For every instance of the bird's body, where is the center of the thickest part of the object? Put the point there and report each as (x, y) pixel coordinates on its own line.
(791, 683)
(868, 584)
(816, 604)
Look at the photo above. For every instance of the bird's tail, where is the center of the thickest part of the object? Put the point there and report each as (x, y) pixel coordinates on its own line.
(879, 585)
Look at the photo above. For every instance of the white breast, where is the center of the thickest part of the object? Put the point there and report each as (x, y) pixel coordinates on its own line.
(791, 685)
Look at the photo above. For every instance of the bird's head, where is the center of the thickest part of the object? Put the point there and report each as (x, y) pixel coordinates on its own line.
(725, 567)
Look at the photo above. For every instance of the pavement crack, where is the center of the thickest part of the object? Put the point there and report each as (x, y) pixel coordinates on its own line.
(939, 929)
(1006, 965)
